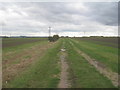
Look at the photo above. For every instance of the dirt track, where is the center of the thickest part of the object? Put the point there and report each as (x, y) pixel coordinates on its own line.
(64, 82)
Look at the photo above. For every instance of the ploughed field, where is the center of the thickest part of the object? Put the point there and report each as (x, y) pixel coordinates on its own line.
(9, 42)
(108, 41)
(66, 63)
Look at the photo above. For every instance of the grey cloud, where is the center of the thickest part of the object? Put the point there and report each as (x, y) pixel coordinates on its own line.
(66, 17)
(105, 13)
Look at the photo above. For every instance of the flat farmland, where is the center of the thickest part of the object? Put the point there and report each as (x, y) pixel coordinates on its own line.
(9, 42)
(108, 41)
(66, 63)
(102, 48)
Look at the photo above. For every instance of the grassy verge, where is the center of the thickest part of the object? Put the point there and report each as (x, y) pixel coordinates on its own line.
(106, 55)
(85, 75)
(43, 74)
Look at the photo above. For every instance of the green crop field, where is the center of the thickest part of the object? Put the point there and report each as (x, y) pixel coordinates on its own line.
(68, 62)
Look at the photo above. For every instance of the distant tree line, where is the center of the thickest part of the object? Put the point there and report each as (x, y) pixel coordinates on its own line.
(4, 37)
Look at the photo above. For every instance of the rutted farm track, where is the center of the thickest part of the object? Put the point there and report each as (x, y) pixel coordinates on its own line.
(100, 67)
(64, 82)
(56, 65)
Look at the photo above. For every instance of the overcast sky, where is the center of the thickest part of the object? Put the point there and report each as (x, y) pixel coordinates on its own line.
(66, 19)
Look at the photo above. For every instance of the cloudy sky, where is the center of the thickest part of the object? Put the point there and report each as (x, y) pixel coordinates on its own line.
(65, 18)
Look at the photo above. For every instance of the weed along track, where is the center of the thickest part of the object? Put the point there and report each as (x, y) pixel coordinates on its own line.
(64, 83)
(99, 66)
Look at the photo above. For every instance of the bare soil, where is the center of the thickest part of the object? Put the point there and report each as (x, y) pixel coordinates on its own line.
(107, 41)
(10, 42)
(113, 40)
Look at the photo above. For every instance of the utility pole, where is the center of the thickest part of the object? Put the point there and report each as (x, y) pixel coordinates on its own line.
(84, 33)
(49, 31)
